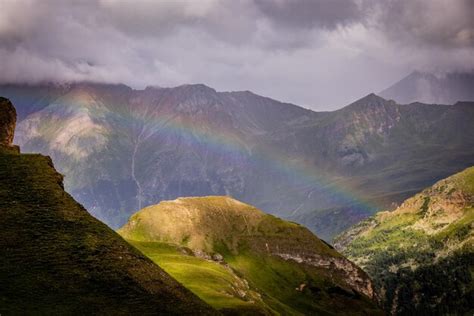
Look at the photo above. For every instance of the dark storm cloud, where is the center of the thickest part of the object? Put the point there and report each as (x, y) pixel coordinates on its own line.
(227, 19)
(294, 50)
(310, 13)
(163, 18)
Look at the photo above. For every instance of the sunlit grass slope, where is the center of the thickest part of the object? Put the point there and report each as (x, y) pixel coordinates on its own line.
(241, 260)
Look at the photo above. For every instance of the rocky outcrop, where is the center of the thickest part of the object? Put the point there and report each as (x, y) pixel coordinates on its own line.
(7, 122)
(353, 275)
(7, 126)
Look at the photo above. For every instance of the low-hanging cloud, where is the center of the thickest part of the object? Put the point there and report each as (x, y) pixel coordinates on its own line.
(301, 51)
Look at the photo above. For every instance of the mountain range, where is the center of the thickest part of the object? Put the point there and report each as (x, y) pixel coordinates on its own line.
(421, 255)
(122, 149)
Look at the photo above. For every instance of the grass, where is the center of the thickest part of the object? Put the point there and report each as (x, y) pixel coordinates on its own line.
(56, 259)
(462, 225)
(272, 282)
(247, 239)
(209, 280)
(269, 274)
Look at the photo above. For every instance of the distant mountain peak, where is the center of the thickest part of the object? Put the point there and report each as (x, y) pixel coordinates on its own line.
(370, 100)
(373, 97)
(196, 88)
(424, 87)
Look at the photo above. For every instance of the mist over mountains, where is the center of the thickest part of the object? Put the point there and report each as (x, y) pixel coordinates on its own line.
(428, 88)
(123, 149)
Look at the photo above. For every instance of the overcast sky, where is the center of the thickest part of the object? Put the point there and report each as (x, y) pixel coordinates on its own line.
(320, 54)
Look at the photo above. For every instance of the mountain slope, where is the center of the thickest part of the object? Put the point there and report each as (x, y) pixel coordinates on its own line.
(56, 259)
(428, 88)
(253, 261)
(123, 149)
(421, 255)
(390, 152)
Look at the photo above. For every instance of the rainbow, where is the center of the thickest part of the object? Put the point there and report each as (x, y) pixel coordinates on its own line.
(223, 142)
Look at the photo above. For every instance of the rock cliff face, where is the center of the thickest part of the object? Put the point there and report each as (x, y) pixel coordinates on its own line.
(421, 255)
(56, 259)
(7, 125)
(309, 276)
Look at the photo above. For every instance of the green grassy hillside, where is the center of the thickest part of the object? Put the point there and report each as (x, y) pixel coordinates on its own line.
(217, 284)
(56, 259)
(422, 254)
(241, 260)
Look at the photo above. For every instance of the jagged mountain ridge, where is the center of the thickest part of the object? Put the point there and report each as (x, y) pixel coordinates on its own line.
(56, 259)
(253, 261)
(421, 255)
(123, 149)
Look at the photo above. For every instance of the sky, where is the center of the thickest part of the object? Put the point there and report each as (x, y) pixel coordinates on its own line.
(321, 54)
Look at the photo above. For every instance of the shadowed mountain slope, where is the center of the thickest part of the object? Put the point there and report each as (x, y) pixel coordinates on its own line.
(56, 259)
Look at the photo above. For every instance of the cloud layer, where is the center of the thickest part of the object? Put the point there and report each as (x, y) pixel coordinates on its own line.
(318, 53)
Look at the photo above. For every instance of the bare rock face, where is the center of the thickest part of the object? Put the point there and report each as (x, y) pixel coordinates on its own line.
(7, 125)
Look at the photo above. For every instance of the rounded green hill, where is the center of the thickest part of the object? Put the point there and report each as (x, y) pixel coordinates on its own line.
(252, 260)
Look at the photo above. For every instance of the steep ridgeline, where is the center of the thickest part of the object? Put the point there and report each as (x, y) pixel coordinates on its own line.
(421, 255)
(241, 260)
(123, 149)
(56, 259)
(428, 88)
